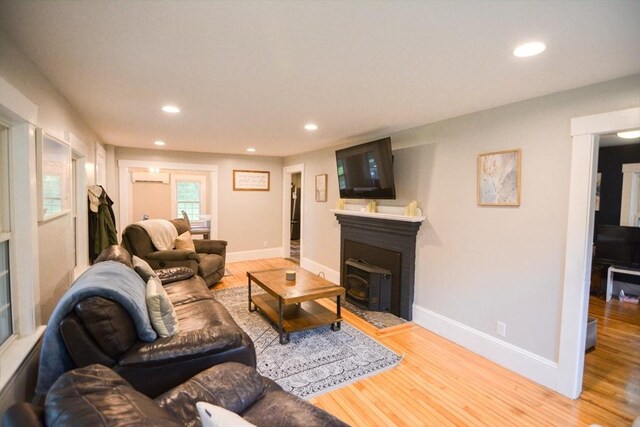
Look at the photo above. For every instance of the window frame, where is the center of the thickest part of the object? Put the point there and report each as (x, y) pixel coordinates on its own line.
(61, 168)
(5, 226)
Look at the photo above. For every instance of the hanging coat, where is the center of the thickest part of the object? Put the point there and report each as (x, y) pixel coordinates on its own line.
(102, 228)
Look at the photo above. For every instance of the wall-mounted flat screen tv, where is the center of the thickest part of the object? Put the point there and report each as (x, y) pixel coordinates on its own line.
(365, 171)
(619, 245)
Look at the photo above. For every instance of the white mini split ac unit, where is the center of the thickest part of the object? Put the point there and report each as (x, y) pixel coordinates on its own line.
(159, 177)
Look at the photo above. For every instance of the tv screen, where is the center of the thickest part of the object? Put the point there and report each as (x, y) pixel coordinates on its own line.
(365, 171)
(618, 245)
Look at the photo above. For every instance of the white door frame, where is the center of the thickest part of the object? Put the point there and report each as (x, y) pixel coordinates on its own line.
(585, 132)
(82, 221)
(287, 171)
(124, 185)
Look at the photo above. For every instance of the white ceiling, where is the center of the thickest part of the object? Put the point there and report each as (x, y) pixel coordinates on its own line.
(253, 73)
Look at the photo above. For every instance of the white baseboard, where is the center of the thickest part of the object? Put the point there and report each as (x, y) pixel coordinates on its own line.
(316, 268)
(254, 254)
(530, 365)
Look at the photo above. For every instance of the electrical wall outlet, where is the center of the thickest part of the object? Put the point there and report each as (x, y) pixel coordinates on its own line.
(501, 329)
(265, 244)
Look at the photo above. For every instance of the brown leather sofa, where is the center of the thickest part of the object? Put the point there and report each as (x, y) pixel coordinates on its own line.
(100, 331)
(96, 396)
(207, 261)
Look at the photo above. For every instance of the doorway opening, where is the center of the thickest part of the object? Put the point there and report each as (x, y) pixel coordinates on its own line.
(585, 133)
(613, 332)
(296, 219)
(293, 212)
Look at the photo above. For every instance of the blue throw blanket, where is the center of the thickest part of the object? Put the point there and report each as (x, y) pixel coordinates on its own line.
(109, 279)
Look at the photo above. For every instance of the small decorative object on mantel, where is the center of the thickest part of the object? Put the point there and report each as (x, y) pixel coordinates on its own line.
(291, 275)
(244, 180)
(411, 209)
(372, 207)
(499, 176)
(340, 204)
(321, 188)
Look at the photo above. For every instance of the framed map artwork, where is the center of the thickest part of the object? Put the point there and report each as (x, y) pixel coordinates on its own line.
(499, 176)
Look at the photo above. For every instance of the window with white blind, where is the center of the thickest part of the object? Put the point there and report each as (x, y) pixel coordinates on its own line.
(6, 318)
(188, 195)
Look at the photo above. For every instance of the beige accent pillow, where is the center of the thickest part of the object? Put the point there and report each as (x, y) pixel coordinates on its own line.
(184, 241)
(161, 313)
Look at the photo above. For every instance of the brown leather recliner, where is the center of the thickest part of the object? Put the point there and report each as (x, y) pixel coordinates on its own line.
(207, 261)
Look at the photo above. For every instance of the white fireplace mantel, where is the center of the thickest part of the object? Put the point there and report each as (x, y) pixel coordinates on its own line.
(393, 213)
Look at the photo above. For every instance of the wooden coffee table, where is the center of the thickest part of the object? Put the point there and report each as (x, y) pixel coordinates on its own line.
(291, 305)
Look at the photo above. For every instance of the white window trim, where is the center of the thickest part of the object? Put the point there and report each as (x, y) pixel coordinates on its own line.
(202, 180)
(21, 114)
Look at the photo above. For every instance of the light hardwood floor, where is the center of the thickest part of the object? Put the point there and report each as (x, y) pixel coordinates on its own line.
(442, 384)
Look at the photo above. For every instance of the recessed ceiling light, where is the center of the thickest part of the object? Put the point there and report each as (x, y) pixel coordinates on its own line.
(632, 134)
(529, 49)
(311, 126)
(170, 109)
(160, 143)
(251, 150)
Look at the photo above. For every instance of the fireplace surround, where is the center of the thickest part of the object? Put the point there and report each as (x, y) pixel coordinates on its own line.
(386, 241)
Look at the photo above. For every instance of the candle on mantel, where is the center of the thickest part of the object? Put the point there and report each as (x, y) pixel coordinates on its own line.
(411, 209)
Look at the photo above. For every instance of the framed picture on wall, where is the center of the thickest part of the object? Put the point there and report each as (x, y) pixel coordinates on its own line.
(53, 175)
(499, 176)
(321, 188)
(246, 180)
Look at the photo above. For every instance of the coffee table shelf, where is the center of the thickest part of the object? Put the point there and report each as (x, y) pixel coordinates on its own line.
(297, 317)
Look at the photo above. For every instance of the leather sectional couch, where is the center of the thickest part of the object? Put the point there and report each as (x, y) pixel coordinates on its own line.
(97, 396)
(99, 330)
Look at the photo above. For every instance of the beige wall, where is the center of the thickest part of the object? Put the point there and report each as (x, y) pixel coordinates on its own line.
(478, 265)
(248, 220)
(152, 199)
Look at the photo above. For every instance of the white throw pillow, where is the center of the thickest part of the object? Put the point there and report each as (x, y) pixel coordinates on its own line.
(161, 313)
(216, 416)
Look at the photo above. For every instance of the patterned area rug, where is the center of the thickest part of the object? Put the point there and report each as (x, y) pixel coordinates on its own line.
(316, 360)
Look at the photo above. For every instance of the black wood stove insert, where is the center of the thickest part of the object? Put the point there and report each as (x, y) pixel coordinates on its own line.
(386, 244)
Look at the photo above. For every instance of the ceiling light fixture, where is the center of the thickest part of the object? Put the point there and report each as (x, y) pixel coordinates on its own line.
(311, 126)
(160, 143)
(251, 150)
(154, 170)
(529, 49)
(632, 134)
(170, 109)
